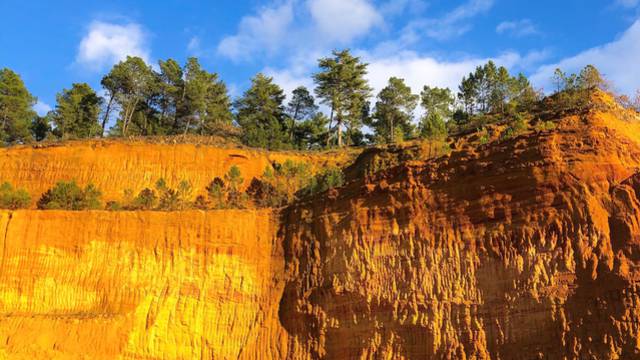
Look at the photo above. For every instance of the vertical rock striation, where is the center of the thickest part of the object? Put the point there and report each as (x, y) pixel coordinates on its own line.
(525, 248)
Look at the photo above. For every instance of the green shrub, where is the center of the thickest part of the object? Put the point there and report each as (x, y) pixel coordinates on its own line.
(146, 200)
(283, 181)
(328, 179)
(217, 194)
(13, 198)
(170, 199)
(545, 125)
(67, 195)
(264, 194)
(517, 127)
(114, 206)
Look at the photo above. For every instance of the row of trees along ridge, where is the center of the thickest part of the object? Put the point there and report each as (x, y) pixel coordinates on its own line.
(186, 99)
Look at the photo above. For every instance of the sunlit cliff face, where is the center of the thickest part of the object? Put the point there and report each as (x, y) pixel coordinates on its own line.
(523, 248)
(144, 285)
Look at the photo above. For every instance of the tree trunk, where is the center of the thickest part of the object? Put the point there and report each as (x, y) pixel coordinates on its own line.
(339, 128)
(186, 128)
(330, 123)
(106, 115)
(127, 119)
(392, 130)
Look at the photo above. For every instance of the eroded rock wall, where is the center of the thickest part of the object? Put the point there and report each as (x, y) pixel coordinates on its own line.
(522, 250)
(115, 166)
(139, 285)
(526, 248)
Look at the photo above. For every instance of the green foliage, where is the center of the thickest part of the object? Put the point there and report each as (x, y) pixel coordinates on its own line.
(545, 125)
(41, 126)
(590, 78)
(284, 180)
(226, 194)
(483, 136)
(491, 89)
(170, 199)
(174, 100)
(394, 112)
(217, 194)
(305, 126)
(131, 82)
(234, 180)
(206, 104)
(146, 200)
(16, 113)
(330, 178)
(433, 127)
(260, 114)
(341, 85)
(573, 91)
(437, 101)
(67, 195)
(311, 133)
(517, 127)
(13, 198)
(77, 111)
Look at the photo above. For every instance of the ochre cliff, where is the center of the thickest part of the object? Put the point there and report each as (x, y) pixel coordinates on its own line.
(525, 248)
(148, 285)
(115, 166)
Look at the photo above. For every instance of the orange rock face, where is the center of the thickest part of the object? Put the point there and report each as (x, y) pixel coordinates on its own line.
(104, 285)
(526, 248)
(117, 166)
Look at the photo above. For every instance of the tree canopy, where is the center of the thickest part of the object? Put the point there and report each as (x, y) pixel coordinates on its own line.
(174, 99)
(341, 85)
(261, 115)
(16, 112)
(392, 119)
(77, 111)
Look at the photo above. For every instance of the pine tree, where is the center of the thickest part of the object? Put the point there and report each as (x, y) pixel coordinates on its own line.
(311, 133)
(260, 114)
(590, 78)
(171, 93)
(437, 104)
(41, 126)
(16, 113)
(77, 111)
(342, 86)
(205, 102)
(130, 81)
(394, 111)
(492, 89)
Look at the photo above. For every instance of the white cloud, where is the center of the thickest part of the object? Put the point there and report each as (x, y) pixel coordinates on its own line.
(517, 28)
(289, 80)
(105, 44)
(452, 24)
(628, 3)
(301, 26)
(418, 71)
(194, 46)
(264, 32)
(343, 20)
(42, 108)
(617, 60)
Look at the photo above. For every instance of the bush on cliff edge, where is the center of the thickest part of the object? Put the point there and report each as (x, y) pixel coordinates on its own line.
(13, 198)
(67, 195)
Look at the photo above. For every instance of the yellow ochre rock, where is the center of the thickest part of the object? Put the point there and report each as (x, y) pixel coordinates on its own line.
(522, 248)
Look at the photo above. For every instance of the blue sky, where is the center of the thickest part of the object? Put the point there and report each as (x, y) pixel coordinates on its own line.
(55, 43)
